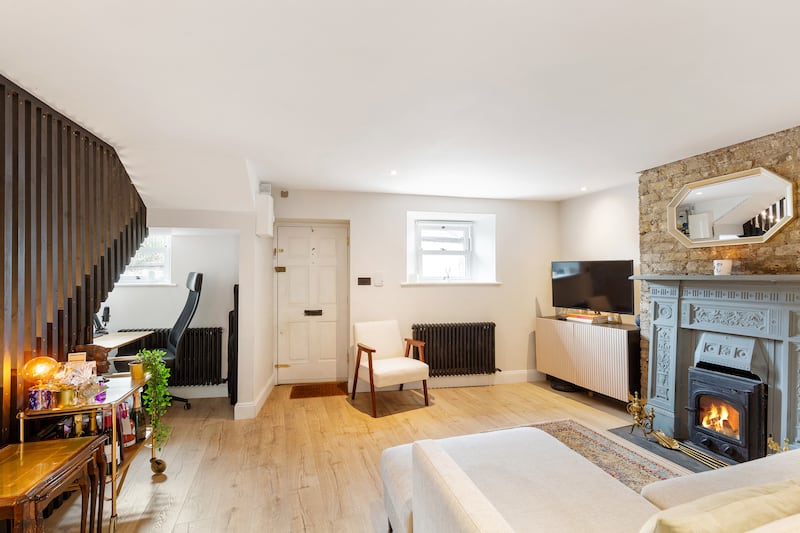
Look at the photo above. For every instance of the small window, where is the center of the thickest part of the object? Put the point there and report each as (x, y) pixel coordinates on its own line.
(444, 250)
(152, 264)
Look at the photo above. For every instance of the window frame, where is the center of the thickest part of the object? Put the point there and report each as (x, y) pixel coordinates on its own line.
(130, 280)
(466, 227)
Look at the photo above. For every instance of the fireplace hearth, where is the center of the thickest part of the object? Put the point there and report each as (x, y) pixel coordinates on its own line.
(727, 413)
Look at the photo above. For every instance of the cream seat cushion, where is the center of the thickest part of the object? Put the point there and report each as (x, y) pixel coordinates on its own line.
(388, 372)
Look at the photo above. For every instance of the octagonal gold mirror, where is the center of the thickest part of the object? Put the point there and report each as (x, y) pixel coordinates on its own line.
(742, 208)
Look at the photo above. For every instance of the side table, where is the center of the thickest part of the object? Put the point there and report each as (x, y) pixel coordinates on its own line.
(33, 473)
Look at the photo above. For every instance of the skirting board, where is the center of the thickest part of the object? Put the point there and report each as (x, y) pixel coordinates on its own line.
(245, 410)
(201, 391)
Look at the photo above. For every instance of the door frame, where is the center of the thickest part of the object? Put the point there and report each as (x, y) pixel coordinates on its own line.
(345, 315)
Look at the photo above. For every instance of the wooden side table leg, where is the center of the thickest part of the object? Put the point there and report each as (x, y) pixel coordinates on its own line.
(101, 486)
(83, 483)
(92, 493)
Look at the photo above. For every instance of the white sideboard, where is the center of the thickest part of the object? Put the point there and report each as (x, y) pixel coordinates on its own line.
(603, 358)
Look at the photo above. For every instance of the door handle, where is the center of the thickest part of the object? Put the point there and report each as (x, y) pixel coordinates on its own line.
(313, 312)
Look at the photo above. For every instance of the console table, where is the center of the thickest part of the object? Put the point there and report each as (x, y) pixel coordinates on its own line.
(99, 347)
(120, 388)
(33, 473)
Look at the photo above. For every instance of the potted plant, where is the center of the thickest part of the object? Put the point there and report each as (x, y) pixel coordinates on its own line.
(156, 399)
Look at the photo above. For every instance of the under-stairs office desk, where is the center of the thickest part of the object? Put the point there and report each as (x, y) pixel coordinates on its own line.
(100, 347)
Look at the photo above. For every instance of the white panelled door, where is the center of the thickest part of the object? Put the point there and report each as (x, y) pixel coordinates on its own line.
(312, 303)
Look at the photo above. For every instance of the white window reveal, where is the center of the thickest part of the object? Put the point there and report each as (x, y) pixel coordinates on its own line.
(444, 250)
(152, 264)
(450, 247)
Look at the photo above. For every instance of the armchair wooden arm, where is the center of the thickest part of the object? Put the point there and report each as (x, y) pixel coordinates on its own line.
(420, 345)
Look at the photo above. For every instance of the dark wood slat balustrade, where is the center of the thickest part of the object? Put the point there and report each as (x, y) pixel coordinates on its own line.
(71, 222)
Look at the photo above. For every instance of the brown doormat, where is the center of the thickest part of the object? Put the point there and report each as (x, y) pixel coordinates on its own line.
(317, 390)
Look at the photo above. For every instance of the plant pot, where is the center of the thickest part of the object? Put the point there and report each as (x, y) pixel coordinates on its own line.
(137, 371)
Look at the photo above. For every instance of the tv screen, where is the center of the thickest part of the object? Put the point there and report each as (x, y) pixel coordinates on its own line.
(601, 286)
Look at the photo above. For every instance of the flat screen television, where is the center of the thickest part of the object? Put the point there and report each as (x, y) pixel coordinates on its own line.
(601, 286)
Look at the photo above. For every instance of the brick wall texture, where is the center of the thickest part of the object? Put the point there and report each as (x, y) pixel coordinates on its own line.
(661, 253)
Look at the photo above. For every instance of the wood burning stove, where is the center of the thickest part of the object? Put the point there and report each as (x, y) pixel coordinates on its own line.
(727, 413)
(727, 400)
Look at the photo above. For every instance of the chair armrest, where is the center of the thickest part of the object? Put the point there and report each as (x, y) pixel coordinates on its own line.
(420, 345)
(369, 351)
(365, 348)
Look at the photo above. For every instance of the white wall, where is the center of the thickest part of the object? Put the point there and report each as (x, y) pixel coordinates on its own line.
(215, 253)
(529, 236)
(526, 243)
(603, 225)
(255, 302)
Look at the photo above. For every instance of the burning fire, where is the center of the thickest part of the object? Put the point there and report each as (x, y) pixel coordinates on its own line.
(717, 417)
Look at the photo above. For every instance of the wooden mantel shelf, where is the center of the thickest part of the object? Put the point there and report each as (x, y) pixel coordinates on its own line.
(762, 278)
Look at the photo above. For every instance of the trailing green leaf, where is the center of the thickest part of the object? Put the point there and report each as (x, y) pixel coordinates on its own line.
(156, 397)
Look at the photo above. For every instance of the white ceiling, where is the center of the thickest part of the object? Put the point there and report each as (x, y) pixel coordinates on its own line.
(529, 99)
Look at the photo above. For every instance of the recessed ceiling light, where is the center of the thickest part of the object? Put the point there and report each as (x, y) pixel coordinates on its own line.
(584, 189)
(393, 172)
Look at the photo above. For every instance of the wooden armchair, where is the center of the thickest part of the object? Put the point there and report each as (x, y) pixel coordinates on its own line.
(387, 362)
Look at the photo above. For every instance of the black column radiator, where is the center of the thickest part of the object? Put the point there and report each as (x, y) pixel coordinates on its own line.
(199, 354)
(457, 349)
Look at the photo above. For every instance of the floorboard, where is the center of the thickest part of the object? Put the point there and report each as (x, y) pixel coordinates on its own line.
(311, 465)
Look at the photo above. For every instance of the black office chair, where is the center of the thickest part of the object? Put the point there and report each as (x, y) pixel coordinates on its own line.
(194, 282)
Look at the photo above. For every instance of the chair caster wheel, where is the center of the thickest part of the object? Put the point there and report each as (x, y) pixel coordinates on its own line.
(187, 406)
(158, 466)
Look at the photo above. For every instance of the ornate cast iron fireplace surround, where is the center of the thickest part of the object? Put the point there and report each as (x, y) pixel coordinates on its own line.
(763, 310)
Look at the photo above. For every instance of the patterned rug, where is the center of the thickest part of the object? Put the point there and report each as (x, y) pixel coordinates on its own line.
(627, 466)
(318, 390)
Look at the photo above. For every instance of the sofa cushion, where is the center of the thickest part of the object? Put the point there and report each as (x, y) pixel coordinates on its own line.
(535, 481)
(675, 491)
(731, 511)
(396, 476)
(446, 499)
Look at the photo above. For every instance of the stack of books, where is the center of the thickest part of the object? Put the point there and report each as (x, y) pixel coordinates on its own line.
(588, 319)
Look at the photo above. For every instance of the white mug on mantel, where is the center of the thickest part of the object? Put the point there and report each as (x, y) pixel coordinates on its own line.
(722, 267)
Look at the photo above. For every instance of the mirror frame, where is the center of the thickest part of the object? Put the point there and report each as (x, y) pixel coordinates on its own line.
(672, 217)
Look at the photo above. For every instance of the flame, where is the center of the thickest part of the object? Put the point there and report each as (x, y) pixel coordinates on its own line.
(717, 417)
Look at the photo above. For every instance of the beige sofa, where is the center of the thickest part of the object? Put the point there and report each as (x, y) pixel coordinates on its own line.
(523, 479)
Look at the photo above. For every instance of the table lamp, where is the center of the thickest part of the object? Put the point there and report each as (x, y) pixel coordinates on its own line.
(38, 370)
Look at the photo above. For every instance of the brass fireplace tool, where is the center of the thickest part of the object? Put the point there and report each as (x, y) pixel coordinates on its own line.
(674, 444)
(774, 447)
(637, 408)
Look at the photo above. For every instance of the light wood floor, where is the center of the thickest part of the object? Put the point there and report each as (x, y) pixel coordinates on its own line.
(311, 464)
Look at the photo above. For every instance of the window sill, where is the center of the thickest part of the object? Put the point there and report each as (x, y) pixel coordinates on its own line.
(448, 283)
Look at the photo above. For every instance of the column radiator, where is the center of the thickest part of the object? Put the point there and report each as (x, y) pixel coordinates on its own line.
(457, 349)
(199, 354)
